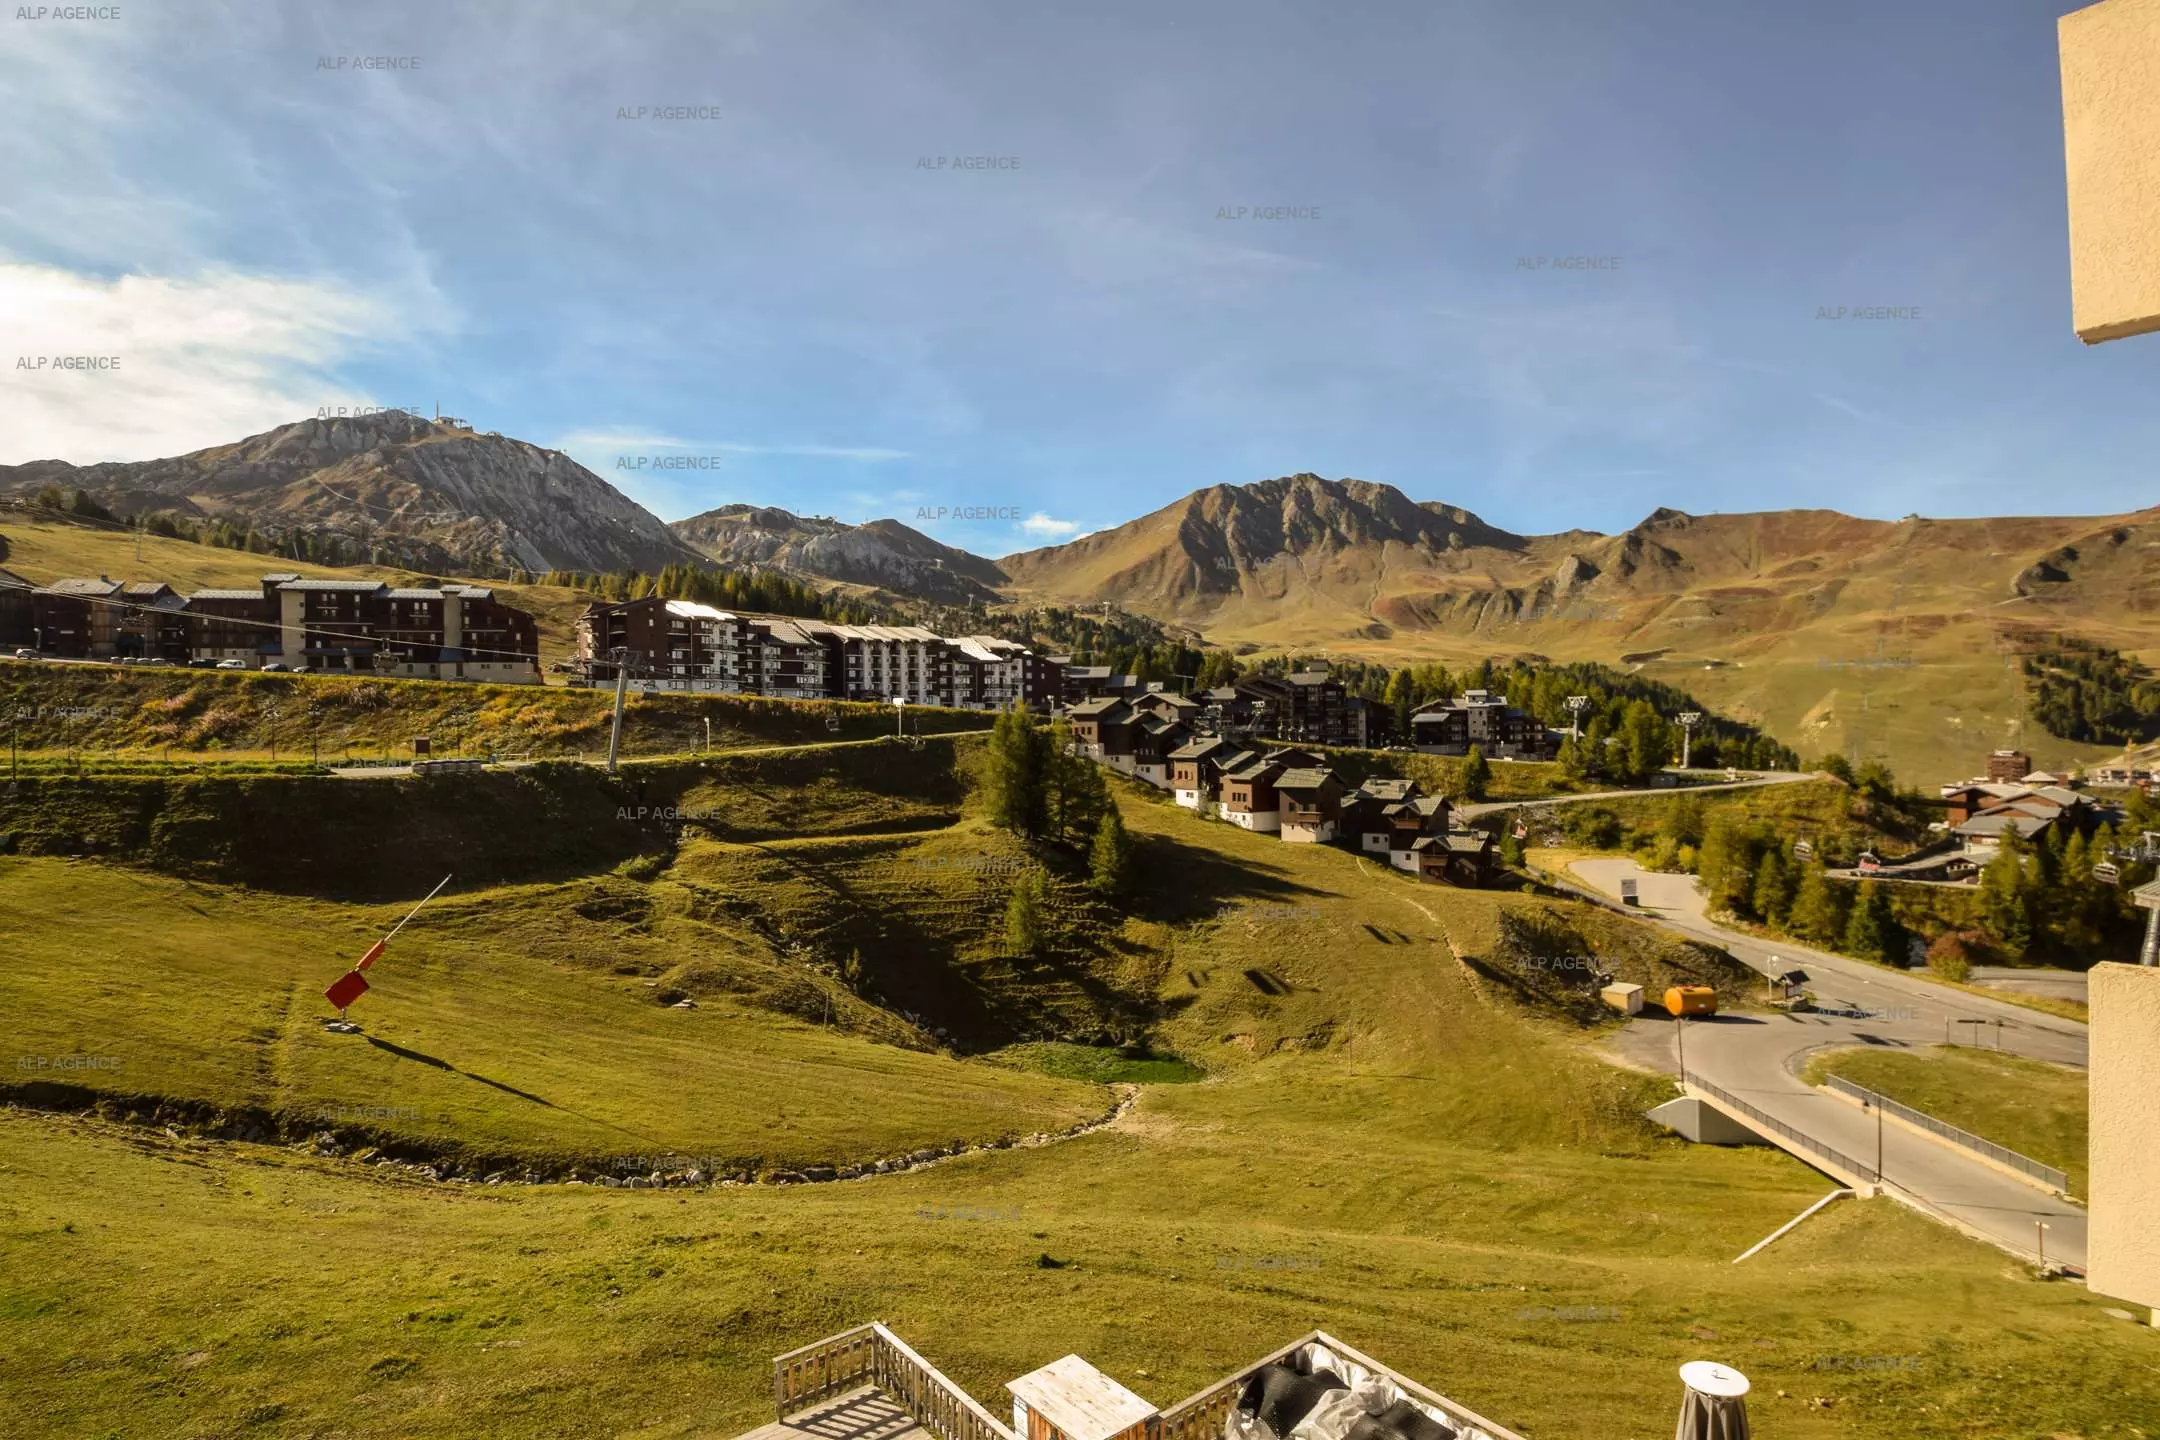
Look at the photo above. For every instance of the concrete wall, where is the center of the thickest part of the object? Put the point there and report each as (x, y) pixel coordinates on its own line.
(2111, 152)
(2123, 1238)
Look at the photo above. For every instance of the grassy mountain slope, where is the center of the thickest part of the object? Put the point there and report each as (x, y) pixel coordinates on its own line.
(1417, 1150)
(1888, 640)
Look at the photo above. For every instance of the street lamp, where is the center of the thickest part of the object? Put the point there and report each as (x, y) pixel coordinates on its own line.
(1689, 719)
(1576, 704)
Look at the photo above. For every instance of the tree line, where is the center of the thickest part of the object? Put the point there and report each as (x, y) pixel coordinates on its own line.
(2081, 691)
(1038, 786)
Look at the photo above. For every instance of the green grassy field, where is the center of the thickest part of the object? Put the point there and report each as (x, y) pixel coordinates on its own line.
(2034, 1108)
(1403, 1132)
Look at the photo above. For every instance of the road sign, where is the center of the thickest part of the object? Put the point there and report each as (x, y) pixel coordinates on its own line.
(1629, 893)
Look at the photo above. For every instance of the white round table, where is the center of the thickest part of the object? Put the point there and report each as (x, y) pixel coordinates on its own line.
(1707, 1377)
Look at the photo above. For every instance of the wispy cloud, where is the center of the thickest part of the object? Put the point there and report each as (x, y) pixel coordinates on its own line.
(194, 361)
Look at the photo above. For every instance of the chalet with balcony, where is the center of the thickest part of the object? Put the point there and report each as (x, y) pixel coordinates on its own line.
(1309, 802)
(1462, 858)
(1248, 794)
(1412, 820)
(1103, 729)
(1155, 736)
(1364, 826)
(1196, 769)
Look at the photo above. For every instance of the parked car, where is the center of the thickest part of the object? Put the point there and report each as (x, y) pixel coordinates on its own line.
(28, 654)
(273, 668)
(201, 664)
(232, 664)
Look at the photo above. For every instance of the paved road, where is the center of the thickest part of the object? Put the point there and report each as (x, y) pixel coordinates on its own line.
(1771, 777)
(1758, 1057)
(2057, 984)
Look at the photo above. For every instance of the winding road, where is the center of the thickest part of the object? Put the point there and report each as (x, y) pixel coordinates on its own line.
(1759, 1056)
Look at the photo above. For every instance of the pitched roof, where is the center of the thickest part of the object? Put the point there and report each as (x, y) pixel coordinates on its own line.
(1099, 706)
(1994, 822)
(1385, 788)
(691, 610)
(415, 592)
(358, 587)
(81, 587)
(1204, 747)
(255, 595)
(1304, 779)
(1255, 767)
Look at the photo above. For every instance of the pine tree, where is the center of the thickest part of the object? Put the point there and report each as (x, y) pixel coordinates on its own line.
(1646, 740)
(1024, 915)
(1110, 857)
(1773, 891)
(2005, 911)
(1818, 910)
(1873, 933)
(1014, 774)
(1476, 776)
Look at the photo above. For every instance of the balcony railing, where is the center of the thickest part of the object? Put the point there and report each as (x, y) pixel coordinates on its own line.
(873, 1355)
(1202, 1416)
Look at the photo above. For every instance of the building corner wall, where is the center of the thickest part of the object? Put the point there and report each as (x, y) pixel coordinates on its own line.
(2110, 58)
(2123, 1240)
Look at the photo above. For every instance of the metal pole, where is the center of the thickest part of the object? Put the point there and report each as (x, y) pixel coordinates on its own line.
(622, 683)
(1878, 1144)
(1680, 1030)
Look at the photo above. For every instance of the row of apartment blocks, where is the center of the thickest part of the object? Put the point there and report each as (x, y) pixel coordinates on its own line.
(432, 632)
(1286, 791)
(680, 645)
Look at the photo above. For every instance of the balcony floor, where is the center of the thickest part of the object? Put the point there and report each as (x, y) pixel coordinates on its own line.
(865, 1414)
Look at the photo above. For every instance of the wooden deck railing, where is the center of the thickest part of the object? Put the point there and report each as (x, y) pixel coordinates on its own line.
(873, 1355)
(1202, 1416)
(832, 1366)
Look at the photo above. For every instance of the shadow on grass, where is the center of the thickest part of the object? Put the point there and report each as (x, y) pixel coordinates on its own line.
(403, 1053)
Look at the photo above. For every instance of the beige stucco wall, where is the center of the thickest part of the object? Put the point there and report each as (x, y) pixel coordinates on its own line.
(2111, 153)
(2123, 1239)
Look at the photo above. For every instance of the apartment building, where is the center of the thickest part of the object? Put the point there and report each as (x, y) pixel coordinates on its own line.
(355, 626)
(18, 611)
(1482, 719)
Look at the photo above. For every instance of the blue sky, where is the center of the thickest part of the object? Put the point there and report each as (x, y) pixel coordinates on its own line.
(778, 288)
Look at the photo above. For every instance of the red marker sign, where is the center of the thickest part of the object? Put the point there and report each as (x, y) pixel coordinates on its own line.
(349, 987)
(374, 953)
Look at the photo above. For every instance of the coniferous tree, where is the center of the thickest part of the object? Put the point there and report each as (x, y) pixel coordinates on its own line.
(1818, 910)
(1476, 775)
(1110, 857)
(1024, 915)
(1772, 896)
(1873, 932)
(1015, 774)
(2005, 911)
